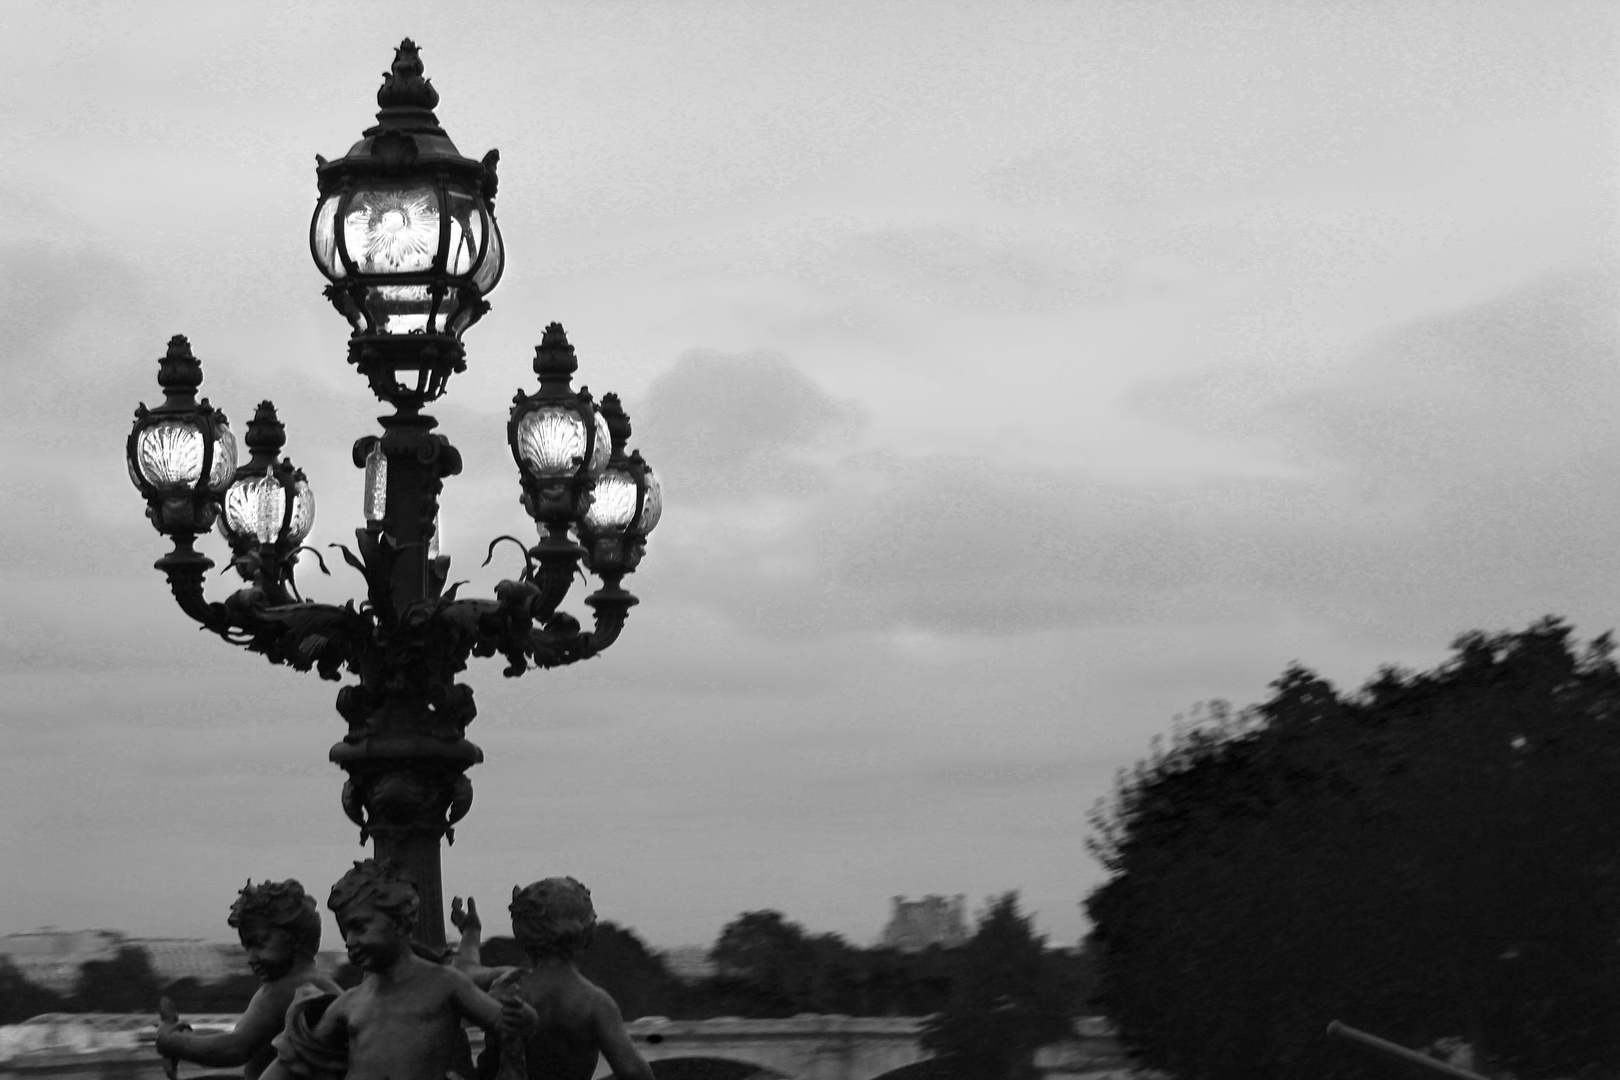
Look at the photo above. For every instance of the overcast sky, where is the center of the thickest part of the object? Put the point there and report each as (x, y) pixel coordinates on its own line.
(1019, 374)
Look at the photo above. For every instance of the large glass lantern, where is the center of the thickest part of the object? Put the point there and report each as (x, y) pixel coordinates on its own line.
(181, 455)
(269, 507)
(404, 229)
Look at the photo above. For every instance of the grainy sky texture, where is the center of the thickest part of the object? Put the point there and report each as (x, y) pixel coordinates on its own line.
(1020, 374)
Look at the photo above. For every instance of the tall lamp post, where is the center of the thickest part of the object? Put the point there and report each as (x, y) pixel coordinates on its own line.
(404, 230)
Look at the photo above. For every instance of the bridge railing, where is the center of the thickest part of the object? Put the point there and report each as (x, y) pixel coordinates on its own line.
(118, 1046)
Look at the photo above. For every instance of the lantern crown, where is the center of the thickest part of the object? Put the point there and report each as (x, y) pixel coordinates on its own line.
(404, 85)
(265, 437)
(180, 374)
(555, 361)
(407, 136)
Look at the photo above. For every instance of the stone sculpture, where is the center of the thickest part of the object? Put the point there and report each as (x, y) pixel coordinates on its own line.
(403, 1022)
(280, 928)
(553, 920)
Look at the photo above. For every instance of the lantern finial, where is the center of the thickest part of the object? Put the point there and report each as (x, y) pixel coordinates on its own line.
(180, 374)
(266, 435)
(404, 86)
(618, 422)
(554, 359)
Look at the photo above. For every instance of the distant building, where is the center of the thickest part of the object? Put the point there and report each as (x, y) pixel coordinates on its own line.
(688, 963)
(934, 920)
(188, 958)
(52, 958)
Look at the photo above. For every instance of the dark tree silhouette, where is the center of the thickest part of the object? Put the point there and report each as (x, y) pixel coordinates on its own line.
(618, 962)
(20, 998)
(768, 966)
(125, 983)
(1436, 855)
(228, 995)
(621, 964)
(771, 967)
(1008, 999)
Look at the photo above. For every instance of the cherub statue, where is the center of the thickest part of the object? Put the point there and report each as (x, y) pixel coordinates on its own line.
(553, 921)
(403, 1022)
(281, 930)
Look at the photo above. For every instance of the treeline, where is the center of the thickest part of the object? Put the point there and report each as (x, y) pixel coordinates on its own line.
(1432, 858)
(124, 983)
(769, 967)
(991, 1002)
(766, 966)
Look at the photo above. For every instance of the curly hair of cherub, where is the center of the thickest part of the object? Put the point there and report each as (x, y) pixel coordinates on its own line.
(284, 905)
(379, 884)
(553, 917)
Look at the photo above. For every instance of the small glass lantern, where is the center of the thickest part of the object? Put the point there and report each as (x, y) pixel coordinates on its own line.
(552, 441)
(181, 455)
(559, 439)
(277, 508)
(404, 229)
(627, 499)
(269, 507)
(626, 502)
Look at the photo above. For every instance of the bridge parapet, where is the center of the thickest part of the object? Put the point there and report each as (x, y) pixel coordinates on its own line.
(807, 1047)
(117, 1046)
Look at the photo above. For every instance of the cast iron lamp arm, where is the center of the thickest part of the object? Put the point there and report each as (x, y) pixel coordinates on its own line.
(301, 634)
(523, 625)
(185, 567)
(304, 635)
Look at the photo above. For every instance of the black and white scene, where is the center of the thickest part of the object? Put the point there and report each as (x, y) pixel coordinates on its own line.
(810, 540)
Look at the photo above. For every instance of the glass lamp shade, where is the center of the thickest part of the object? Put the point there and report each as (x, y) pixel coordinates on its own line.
(257, 510)
(602, 448)
(618, 503)
(169, 455)
(613, 502)
(652, 505)
(551, 442)
(409, 256)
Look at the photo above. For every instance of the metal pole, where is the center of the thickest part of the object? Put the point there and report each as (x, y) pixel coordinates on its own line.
(1345, 1031)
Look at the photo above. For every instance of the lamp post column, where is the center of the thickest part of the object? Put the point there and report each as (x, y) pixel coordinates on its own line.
(405, 753)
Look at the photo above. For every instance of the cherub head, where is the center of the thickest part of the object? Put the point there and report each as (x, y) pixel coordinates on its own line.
(553, 917)
(279, 926)
(376, 910)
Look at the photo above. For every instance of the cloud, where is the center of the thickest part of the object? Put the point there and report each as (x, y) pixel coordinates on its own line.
(1458, 469)
(730, 426)
(1464, 463)
(1522, 386)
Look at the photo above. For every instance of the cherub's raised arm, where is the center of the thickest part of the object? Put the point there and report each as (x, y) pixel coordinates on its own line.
(468, 958)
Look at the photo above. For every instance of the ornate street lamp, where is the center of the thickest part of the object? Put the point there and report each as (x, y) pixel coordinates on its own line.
(404, 230)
